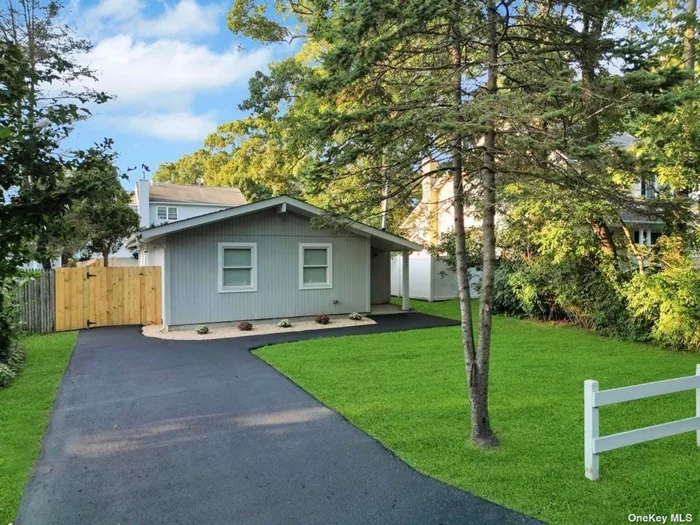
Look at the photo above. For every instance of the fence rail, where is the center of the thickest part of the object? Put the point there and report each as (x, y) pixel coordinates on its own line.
(36, 303)
(593, 399)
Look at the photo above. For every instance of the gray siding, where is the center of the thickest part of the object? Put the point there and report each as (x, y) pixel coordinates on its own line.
(192, 271)
(381, 276)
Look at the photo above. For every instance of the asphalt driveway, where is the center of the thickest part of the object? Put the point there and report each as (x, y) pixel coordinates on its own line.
(150, 431)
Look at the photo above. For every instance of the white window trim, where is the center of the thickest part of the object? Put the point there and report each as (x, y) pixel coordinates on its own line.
(253, 287)
(167, 213)
(329, 274)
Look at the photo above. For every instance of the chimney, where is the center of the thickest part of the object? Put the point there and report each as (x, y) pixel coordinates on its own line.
(430, 197)
(429, 165)
(143, 202)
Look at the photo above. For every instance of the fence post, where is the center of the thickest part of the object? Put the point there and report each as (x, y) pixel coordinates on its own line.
(697, 403)
(590, 428)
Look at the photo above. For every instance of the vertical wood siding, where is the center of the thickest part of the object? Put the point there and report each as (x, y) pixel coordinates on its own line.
(192, 271)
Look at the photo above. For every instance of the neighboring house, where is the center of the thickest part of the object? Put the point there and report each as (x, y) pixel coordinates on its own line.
(265, 261)
(432, 280)
(161, 203)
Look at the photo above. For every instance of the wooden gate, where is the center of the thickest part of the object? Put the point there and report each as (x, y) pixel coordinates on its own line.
(90, 296)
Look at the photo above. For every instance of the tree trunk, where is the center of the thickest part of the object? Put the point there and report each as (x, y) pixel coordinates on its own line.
(460, 234)
(479, 371)
(46, 264)
(689, 38)
(105, 258)
(633, 247)
(680, 220)
(590, 59)
(604, 236)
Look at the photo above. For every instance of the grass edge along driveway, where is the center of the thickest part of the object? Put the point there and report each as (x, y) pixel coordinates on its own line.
(408, 390)
(24, 413)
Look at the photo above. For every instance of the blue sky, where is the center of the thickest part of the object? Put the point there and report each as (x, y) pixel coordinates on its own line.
(175, 68)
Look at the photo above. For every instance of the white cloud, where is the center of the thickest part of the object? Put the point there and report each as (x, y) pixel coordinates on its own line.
(167, 73)
(178, 126)
(186, 19)
(114, 10)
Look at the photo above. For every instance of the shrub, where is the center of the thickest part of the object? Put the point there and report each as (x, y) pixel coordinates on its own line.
(284, 323)
(670, 301)
(6, 375)
(202, 330)
(355, 316)
(245, 326)
(14, 357)
(322, 319)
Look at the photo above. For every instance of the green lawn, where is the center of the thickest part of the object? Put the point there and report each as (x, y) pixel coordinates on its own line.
(24, 411)
(408, 390)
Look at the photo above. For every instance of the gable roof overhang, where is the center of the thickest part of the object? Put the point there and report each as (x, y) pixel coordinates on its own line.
(379, 239)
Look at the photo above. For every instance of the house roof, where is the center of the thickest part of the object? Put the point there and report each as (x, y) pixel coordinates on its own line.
(380, 239)
(194, 194)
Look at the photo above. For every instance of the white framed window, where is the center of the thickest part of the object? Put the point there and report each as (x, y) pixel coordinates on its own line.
(167, 213)
(238, 267)
(315, 266)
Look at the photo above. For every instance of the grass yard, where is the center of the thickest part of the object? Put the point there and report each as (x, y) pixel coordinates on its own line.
(408, 390)
(24, 411)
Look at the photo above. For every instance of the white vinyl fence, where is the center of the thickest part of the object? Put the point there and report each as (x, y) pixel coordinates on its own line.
(593, 399)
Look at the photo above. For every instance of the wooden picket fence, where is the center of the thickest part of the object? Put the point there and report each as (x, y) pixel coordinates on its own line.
(35, 303)
(91, 296)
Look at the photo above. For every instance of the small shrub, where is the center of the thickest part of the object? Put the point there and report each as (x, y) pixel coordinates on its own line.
(6, 375)
(15, 356)
(201, 330)
(322, 319)
(245, 326)
(284, 323)
(355, 316)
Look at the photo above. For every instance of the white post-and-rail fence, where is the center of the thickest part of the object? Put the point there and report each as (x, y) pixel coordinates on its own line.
(593, 399)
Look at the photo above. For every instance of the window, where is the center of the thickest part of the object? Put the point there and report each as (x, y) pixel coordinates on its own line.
(237, 267)
(648, 188)
(315, 266)
(167, 213)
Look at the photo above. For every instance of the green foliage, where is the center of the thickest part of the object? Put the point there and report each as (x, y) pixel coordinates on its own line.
(285, 323)
(11, 362)
(444, 250)
(202, 330)
(35, 189)
(668, 298)
(354, 316)
(105, 218)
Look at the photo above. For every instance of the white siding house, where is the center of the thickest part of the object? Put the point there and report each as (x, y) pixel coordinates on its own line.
(431, 279)
(434, 216)
(163, 203)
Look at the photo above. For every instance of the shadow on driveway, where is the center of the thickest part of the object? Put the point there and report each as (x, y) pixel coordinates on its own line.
(151, 431)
